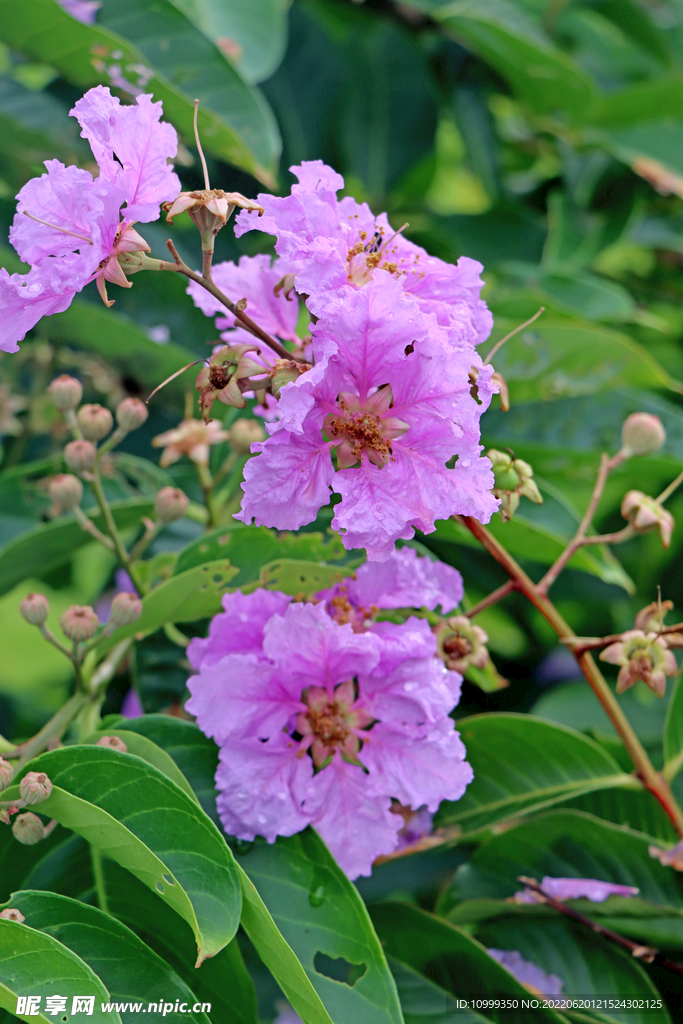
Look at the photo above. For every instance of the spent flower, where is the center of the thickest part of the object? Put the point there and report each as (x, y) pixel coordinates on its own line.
(461, 644)
(11, 914)
(220, 378)
(642, 657)
(192, 438)
(645, 514)
(113, 743)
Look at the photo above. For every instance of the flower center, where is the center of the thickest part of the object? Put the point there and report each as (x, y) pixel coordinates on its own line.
(331, 723)
(457, 646)
(362, 428)
(369, 254)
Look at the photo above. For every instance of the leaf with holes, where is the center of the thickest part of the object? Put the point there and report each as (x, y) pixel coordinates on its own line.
(299, 578)
(32, 963)
(142, 820)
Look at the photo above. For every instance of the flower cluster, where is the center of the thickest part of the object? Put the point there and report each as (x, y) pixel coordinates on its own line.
(71, 228)
(330, 721)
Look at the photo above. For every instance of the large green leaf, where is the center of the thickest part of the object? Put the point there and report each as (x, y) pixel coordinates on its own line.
(138, 817)
(235, 121)
(32, 963)
(36, 551)
(673, 731)
(278, 956)
(150, 752)
(425, 1002)
(523, 764)
(454, 960)
(128, 968)
(322, 917)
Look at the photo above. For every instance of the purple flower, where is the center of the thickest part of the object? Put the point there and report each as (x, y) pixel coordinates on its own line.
(416, 825)
(338, 245)
(132, 705)
(403, 581)
(393, 400)
(322, 726)
(81, 10)
(68, 225)
(576, 889)
(527, 973)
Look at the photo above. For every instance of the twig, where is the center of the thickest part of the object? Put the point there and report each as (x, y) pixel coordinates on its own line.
(668, 491)
(54, 729)
(492, 598)
(499, 344)
(87, 524)
(594, 643)
(648, 954)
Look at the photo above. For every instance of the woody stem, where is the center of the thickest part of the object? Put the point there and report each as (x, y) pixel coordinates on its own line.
(652, 780)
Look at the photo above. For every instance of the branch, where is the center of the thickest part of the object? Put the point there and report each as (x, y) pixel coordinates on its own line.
(492, 598)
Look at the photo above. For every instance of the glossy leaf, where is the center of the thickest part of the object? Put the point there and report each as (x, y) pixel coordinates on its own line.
(32, 963)
(36, 551)
(135, 815)
(235, 122)
(424, 1002)
(128, 968)
(673, 731)
(301, 579)
(320, 914)
(523, 764)
(148, 751)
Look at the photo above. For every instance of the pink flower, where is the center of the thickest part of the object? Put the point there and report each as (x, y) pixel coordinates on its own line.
(322, 726)
(338, 245)
(527, 973)
(576, 889)
(81, 10)
(393, 400)
(403, 581)
(68, 225)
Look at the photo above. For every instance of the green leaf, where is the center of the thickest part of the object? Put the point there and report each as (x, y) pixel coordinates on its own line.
(129, 969)
(234, 120)
(673, 732)
(257, 27)
(322, 917)
(501, 33)
(424, 1002)
(301, 579)
(574, 704)
(454, 960)
(49, 545)
(148, 751)
(523, 764)
(135, 815)
(32, 963)
(634, 809)
(278, 956)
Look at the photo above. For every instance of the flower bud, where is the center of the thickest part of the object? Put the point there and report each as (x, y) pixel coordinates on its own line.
(95, 421)
(35, 787)
(79, 622)
(35, 609)
(114, 743)
(4, 817)
(645, 514)
(131, 413)
(170, 504)
(65, 490)
(642, 434)
(243, 433)
(6, 774)
(28, 829)
(285, 371)
(462, 644)
(512, 479)
(80, 456)
(125, 608)
(10, 914)
(651, 617)
(66, 392)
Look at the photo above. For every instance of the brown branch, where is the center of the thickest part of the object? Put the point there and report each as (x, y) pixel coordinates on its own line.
(594, 643)
(492, 598)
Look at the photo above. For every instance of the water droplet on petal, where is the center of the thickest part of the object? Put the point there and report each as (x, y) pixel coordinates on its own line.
(261, 818)
(410, 686)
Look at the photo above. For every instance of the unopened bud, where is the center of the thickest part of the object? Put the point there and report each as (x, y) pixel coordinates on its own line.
(80, 456)
(35, 787)
(125, 608)
(512, 478)
(66, 490)
(114, 743)
(6, 774)
(28, 829)
(642, 434)
(95, 421)
(243, 433)
(170, 504)
(79, 622)
(10, 914)
(4, 817)
(285, 371)
(131, 413)
(645, 513)
(35, 608)
(66, 392)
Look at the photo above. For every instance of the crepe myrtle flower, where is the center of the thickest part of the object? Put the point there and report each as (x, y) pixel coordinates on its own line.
(643, 657)
(575, 889)
(81, 10)
(392, 401)
(527, 973)
(72, 228)
(322, 726)
(337, 246)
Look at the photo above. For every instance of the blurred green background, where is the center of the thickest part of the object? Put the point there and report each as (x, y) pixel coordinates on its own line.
(541, 137)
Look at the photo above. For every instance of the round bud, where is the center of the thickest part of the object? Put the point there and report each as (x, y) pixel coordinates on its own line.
(642, 434)
(170, 504)
(66, 490)
(79, 622)
(80, 456)
(35, 787)
(6, 774)
(66, 392)
(28, 829)
(10, 914)
(125, 608)
(95, 421)
(114, 743)
(131, 413)
(505, 478)
(35, 609)
(243, 433)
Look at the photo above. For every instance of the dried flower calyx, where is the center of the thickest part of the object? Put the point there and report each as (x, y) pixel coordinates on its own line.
(513, 478)
(643, 657)
(645, 514)
(210, 210)
(219, 380)
(461, 644)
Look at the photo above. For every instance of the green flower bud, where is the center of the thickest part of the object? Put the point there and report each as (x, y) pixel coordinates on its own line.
(642, 434)
(28, 829)
(125, 608)
(131, 413)
(65, 490)
(35, 787)
(79, 622)
(35, 609)
(170, 504)
(6, 774)
(95, 421)
(80, 456)
(66, 392)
